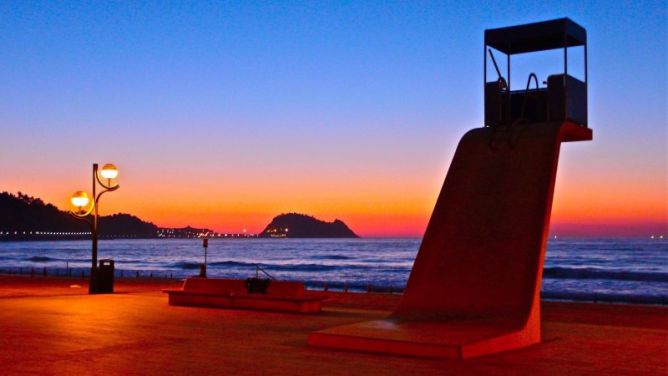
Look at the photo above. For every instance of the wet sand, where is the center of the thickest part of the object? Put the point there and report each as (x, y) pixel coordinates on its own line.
(49, 327)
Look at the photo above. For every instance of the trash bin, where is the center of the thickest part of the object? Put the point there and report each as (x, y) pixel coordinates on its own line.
(105, 277)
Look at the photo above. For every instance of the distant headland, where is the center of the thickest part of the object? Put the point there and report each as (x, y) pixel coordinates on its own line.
(23, 217)
(294, 225)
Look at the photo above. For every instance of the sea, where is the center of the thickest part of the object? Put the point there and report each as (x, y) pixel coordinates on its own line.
(631, 270)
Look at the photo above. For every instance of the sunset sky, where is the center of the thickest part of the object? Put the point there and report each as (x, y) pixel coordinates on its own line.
(225, 114)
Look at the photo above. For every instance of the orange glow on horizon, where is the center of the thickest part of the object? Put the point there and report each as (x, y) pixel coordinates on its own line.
(371, 203)
(386, 213)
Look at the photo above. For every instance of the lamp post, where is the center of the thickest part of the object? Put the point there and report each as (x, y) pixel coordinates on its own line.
(84, 207)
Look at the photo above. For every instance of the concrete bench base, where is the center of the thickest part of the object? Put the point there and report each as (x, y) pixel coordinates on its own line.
(455, 340)
(231, 294)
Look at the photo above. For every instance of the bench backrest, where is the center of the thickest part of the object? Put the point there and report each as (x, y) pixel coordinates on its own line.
(238, 286)
(215, 285)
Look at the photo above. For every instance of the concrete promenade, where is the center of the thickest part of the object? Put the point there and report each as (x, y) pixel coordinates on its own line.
(48, 327)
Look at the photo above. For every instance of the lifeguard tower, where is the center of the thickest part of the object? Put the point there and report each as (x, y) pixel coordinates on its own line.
(564, 98)
(475, 285)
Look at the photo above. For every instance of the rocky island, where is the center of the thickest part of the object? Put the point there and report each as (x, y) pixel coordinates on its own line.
(294, 225)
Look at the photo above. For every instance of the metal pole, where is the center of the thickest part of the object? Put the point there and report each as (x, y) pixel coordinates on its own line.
(586, 81)
(563, 80)
(205, 244)
(92, 288)
(484, 79)
(565, 54)
(508, 111)
(585, 51)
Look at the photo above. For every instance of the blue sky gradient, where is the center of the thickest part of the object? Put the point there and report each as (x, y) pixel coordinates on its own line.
(382, 89)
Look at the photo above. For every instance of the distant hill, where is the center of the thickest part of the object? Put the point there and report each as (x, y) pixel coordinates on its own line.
(293, 225)
(25, 216)
(126, 224)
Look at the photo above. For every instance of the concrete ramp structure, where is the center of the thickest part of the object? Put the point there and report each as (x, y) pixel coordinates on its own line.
(475, 285)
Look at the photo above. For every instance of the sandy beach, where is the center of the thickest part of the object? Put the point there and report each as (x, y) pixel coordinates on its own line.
(51, 326)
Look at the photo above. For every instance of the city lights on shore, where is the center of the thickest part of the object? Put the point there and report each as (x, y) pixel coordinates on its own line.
(44, 233)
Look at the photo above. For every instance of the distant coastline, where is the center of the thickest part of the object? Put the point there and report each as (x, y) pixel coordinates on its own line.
(27, 218)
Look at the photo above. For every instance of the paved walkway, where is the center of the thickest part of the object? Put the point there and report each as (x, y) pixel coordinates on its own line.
(136, 332)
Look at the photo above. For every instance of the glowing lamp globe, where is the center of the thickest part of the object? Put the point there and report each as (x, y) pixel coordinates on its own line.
(80, 199)
(109, 171)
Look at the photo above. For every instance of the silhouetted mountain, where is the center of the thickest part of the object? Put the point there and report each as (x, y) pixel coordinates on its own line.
(27, 217)
(26, 213)
(126, 224)
(293, 225)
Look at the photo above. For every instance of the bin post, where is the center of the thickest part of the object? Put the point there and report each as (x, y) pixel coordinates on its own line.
(202, 267)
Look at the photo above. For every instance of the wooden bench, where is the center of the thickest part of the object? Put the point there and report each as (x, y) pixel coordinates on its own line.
(282, 296)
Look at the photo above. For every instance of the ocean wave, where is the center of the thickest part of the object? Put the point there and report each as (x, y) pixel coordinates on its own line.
(184, 265)
(271, 267)
(42, 259)
(606, 297)
(54, 259)
(333, 257)
(590, 273)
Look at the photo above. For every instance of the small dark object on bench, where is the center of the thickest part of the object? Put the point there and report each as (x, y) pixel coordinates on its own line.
(257, 285)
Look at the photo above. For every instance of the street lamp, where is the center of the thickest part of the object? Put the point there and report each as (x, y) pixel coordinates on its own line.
(84, 208)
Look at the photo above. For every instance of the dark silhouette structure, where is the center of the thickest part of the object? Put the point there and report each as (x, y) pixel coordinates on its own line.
(475, 284)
